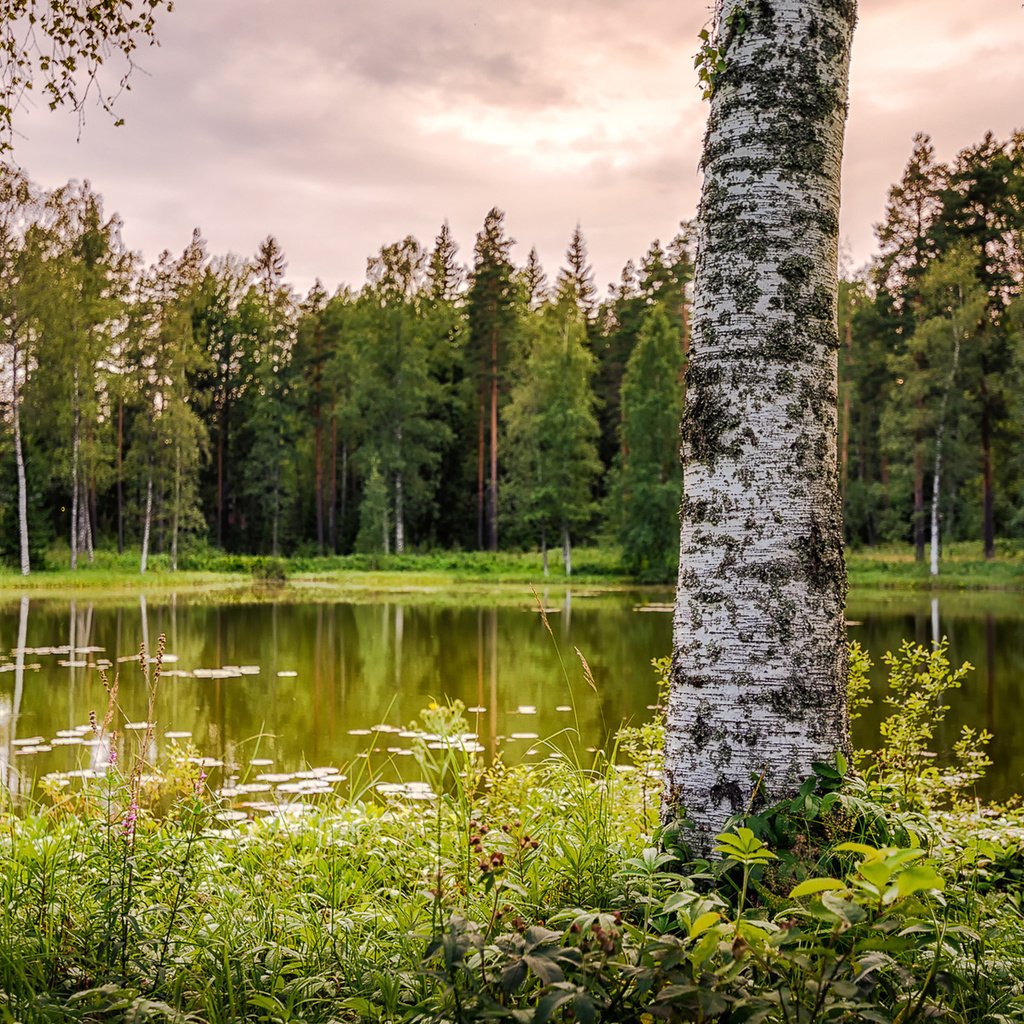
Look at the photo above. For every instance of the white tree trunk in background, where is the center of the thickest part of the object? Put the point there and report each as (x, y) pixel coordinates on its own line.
(940, 432)
(144, 557)
(19, 458)
(759, 647)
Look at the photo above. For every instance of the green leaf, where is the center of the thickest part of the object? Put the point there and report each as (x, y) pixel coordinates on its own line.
(877, 872)
(868, 851)
(917, 878)
(704, 922)
(815, 885)
(841, 763)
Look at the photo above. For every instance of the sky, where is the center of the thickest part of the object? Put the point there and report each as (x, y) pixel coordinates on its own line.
(341, 126)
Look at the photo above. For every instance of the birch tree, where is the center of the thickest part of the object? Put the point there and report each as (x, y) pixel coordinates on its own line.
(16, 197)
(759, 664)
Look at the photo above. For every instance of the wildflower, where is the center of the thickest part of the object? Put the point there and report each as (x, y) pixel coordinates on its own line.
(130, 819)
(199, 786)
(112, 757)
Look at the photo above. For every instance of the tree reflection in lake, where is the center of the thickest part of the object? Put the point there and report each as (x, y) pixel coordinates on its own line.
(326, 668)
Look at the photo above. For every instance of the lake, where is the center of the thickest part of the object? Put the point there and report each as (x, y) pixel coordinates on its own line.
(304, 682)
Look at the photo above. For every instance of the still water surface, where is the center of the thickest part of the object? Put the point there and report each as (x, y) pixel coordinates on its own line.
(305, 684)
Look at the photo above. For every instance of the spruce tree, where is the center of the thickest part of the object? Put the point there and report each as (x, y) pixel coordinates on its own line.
(649, 477)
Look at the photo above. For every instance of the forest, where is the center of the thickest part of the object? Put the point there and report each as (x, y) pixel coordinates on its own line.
(201, 404)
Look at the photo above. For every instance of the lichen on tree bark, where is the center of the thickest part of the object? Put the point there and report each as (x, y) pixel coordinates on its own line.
(759, 662)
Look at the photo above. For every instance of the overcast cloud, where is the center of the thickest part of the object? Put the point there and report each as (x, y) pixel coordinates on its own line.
(339, 126)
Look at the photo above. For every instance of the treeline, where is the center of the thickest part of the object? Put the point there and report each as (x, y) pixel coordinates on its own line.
(201, 402)
(932, 357)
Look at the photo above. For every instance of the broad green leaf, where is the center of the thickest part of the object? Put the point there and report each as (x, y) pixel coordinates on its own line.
(868, 851)
(704, 922)
(877, 872)
(917, 878)
(814, 885)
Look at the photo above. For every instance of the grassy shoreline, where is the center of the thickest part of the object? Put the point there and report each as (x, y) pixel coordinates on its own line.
(481, 573)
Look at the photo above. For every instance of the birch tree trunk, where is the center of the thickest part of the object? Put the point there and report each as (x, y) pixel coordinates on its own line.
(759, 647)
(566, 550)
(399, 498)
(74, 480)
(19, 459)
(940, 432)
(145, 526)
(176, 512)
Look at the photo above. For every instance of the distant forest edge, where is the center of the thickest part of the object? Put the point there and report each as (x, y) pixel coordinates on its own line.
(200, 403)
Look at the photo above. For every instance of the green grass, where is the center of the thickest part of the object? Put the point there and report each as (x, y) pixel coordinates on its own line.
(963, 567)
(472, 572)
(512, 894)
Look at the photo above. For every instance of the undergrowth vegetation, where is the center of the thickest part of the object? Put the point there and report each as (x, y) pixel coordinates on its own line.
(881, 892)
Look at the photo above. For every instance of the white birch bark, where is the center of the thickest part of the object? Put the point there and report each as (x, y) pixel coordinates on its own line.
(19, 459)
(566, 549)
(74, 482)
(759, 647)
(144, 558)
(940, 432)
(177, 508)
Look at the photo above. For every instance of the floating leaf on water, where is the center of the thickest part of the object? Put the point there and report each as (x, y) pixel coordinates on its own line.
(72, 664)
(532, 752)
(58, 780)
(177, 735)
(249, 670)
(261, 762)
(523, 736)
(253, 787)
(231, 816)
(28, 750)
(86, 773)
(305, 786)
(477, 710)
(328, 771)
(526, 709)
(127, 657)
(206, 762)
(408, 790)
(384, 728)
(227, 792)
(28, 742)
(139, 726)
(410, 734)
(216, 673)
(853, 622)
(62, 733)
(66, 741)
(625, 768)
(654, 608)
(276, 777)
(564, 707)
(89, 650)
(359, 732)
(287, 674)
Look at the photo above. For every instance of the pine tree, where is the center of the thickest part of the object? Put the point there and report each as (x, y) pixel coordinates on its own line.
(552, 428)
(492, 324)
(649, 477)
(577, 277)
